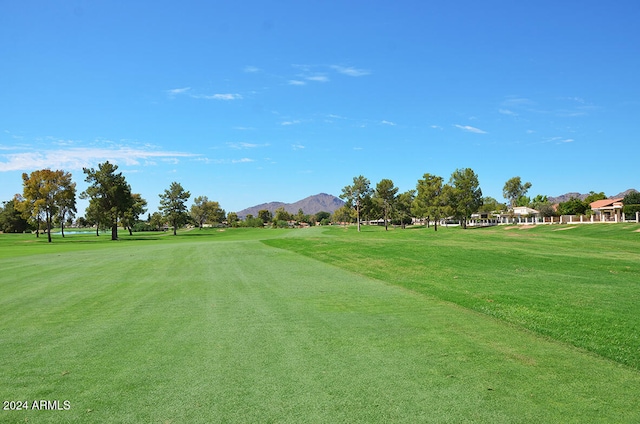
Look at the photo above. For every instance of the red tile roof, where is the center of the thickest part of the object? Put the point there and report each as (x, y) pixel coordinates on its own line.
(604, 203)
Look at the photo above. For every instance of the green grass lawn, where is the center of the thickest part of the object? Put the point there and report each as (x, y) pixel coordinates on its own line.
(576, 284)
(323, 325)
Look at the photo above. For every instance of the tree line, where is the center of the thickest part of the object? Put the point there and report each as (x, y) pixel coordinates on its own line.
(49, 197)
(433, 200)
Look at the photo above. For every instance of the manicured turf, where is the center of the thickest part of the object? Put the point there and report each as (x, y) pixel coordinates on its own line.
(577, 284)
(216, 326)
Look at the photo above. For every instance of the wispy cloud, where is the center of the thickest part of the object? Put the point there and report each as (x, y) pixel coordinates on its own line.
(564, 113)
(287, 123)
(318, 78)
(350, 71)
(557, 140)
(515, 101)
(251, 69)
(385, 122)
(470, 129)
(218, 96)
(177, 91)
(227, 96)
(297, 146)
(564, 107)
(232, 161)
(84, 157)
(319, 73)
(243, 145)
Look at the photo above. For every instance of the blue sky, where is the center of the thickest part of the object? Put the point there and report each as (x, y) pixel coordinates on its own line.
(255, 101)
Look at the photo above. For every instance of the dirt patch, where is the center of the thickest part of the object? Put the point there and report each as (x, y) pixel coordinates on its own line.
(565, 228)
(637, 231)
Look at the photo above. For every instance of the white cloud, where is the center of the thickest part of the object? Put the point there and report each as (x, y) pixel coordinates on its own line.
(227, 96)
(350, 71)
(297, 146)
(471, 129)
(558, 140)
(83, 157)
(251, 69)
(318, 78)
(243, 145)
(571, 113)
(385, 122)
(217, 96)
(243, 160)
(297, 82)
(507, 112)
(176, 91)
(286, 123)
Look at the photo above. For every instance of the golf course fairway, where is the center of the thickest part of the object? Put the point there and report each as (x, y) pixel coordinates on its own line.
(222, 326)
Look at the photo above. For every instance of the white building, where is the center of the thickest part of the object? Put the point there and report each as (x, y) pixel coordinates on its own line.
(524, 211)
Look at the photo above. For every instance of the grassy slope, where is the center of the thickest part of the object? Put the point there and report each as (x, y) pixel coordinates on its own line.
(575, 284)
(188, 329)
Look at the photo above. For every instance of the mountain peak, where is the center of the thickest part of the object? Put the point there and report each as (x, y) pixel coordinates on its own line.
(311, 205)
(582, 196)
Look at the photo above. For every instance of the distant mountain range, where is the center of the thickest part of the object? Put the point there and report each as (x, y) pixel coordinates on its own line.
(567, 196)
(328, 203)
(310, 206)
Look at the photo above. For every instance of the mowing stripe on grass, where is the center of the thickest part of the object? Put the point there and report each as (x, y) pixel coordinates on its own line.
(579, 286)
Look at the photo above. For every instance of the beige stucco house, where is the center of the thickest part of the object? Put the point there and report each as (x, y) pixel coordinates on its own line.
(607, 209)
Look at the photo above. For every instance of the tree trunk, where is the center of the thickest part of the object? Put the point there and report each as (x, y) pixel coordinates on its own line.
(130, 231)
(48, 228)
(62, 224)
(97, 230)
(435, 225)
(114, 231)
(358, 216)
